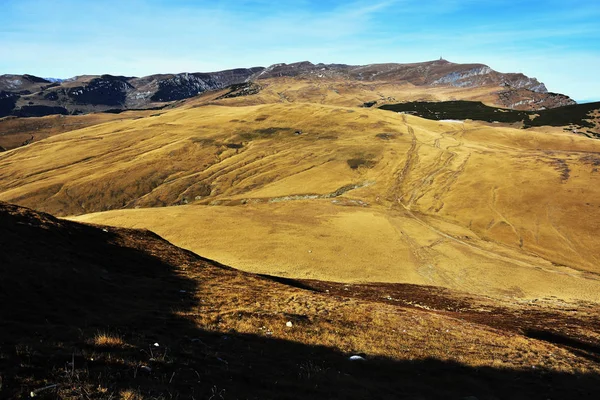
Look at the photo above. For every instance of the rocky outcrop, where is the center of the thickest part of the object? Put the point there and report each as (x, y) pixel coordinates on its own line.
(26, 95)
(526, 99)
(183, 86)
(105, 90)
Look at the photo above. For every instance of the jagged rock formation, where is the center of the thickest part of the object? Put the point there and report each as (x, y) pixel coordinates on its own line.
(27, 95)
(527, 99)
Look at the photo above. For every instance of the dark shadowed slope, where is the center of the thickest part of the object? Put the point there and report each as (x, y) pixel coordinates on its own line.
(90, 312)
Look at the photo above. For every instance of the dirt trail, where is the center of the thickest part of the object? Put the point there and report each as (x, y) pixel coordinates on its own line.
(497, 255)
(440, 175)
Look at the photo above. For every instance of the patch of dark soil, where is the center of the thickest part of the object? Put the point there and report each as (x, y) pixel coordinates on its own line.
(355, 163)
(204, 141)
(563, 168)
(591, 159)
(386, 136)
(264, 133)
(271, 131)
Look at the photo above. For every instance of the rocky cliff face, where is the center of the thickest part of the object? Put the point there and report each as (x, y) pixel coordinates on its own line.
(27, 95)
(527, 99)
(172, 87)
(106, 90)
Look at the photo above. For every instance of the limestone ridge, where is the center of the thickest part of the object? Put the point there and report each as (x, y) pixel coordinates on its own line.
(27, 95)
(432, 73)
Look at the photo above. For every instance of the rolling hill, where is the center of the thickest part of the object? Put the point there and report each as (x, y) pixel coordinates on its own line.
(338, 193)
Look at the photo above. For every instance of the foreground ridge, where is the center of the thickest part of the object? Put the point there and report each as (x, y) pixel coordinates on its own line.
(91, 311)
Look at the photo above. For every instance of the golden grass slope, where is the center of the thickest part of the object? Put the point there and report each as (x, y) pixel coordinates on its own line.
(14, 131)
(348, 93)
(317, 239)
(358, 195)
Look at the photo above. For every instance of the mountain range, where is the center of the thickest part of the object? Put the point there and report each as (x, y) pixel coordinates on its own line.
(28, 95)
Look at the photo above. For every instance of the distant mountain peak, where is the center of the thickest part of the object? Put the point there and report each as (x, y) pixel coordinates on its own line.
(27, 95)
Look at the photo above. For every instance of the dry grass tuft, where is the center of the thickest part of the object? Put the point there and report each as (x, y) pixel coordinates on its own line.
(106, 339)
(130, 395)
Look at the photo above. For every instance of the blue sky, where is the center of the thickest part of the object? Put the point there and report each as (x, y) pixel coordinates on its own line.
(557, 42)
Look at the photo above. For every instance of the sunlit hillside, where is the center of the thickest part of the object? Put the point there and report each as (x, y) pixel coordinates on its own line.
(347, 92)
(15, 132)
(323, 191)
